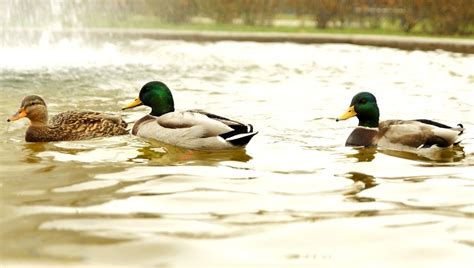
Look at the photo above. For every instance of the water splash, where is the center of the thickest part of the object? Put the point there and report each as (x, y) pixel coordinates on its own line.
(31, 22)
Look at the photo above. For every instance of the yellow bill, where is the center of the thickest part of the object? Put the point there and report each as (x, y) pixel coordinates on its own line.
(135, 103)
(348, 114)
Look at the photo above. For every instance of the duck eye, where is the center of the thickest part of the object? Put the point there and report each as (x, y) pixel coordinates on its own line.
(363, 101)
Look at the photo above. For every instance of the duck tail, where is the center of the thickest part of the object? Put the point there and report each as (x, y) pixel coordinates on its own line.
(448, 136)
(241, 139)
(123, 124)
(460, 128)
(240, 135)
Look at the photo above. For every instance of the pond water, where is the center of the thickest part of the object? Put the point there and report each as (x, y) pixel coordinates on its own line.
(296, 195)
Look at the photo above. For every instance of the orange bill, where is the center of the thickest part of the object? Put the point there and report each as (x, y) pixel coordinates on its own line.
(20, 114)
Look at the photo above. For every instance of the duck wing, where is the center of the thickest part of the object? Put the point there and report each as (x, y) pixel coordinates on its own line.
(203, 125)
(90, 123)
(459, 127)
(74, 116)
(421, 133)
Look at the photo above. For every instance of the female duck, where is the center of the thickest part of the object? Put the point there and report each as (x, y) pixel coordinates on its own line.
(66, 126)
(419, 133)
(192, 129)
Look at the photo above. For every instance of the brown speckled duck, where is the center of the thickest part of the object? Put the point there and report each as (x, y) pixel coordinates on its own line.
(67, 126)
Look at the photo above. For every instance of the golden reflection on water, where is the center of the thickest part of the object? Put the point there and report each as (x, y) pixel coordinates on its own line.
(165, 154)
(368, 180)
(438, 155)
(364, 154)
(446, 155)
(31, 150)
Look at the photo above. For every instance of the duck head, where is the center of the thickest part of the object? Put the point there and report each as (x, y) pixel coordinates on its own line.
(34, 108)
(155, 95)
(364, 107)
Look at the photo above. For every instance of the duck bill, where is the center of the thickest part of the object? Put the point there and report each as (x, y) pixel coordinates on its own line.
(133, 104)
(20, 114)
(348, 114)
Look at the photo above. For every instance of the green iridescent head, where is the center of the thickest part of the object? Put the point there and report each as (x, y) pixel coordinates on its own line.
(364, 106)
(155, 95)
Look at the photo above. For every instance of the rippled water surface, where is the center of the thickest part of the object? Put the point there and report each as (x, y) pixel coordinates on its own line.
(296, 195)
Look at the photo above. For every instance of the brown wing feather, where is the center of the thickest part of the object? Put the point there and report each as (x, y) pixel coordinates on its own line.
(77, 126)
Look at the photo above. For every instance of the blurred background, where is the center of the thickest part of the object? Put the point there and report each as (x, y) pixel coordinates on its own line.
(422, 17)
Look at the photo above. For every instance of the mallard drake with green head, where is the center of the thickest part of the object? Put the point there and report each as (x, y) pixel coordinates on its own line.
(192, 129)
(418, 133)
(67, 126)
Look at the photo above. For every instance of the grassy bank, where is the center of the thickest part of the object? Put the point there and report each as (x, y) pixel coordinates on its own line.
(295, 26)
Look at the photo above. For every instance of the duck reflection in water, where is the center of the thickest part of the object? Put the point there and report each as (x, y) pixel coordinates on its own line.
(164, 154)
(31, 150)
(363, 154)
(445, 155)
(367, 180)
